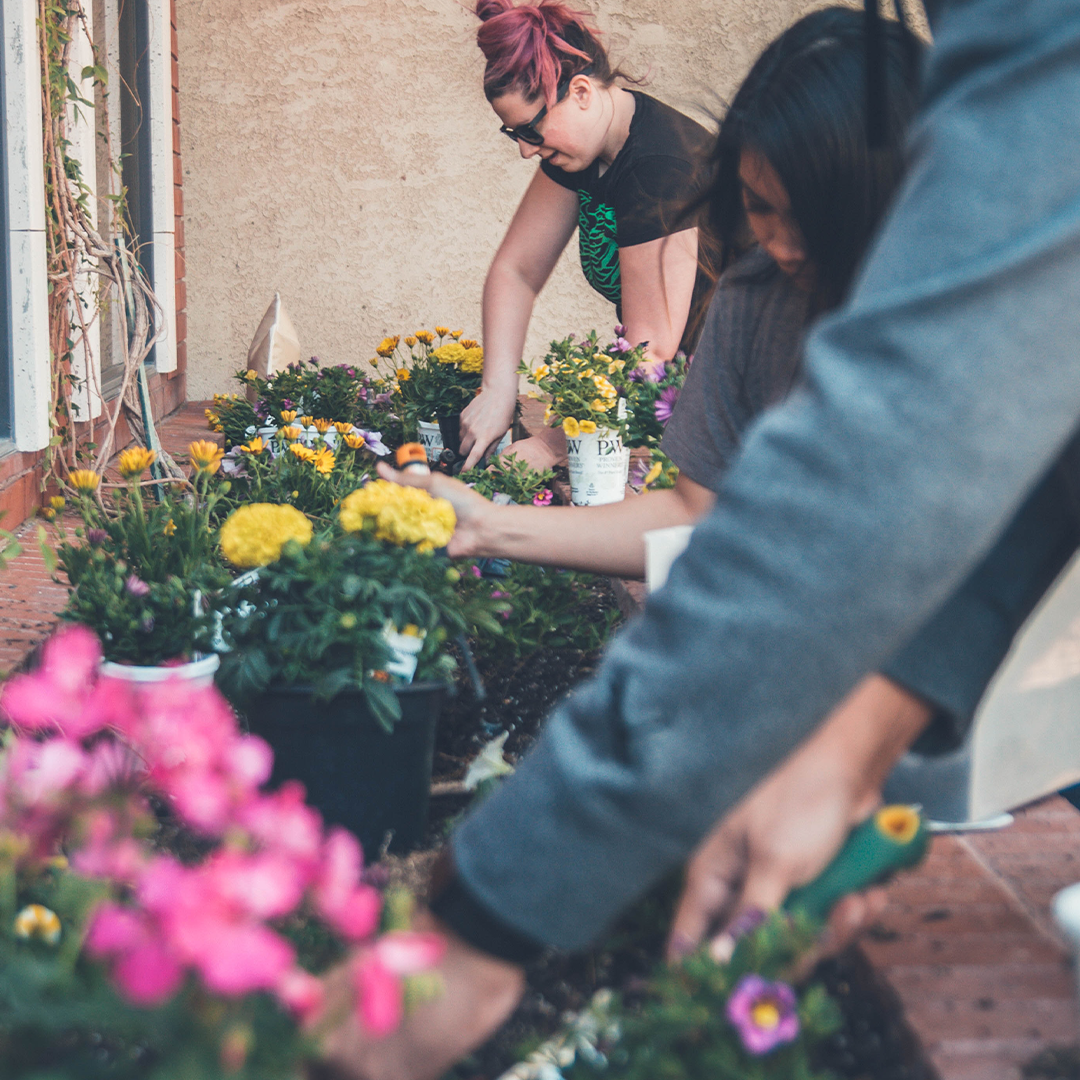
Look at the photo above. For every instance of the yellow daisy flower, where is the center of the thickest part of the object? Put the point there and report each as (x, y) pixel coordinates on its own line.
(135, 461)
(323, 461)
(288, 416)
(291, 433)
(255, 446)
(321, 426)
(442, 331)
(84, 480)
(205, 455)
(403, 374)
(299, 450)
(387, 346)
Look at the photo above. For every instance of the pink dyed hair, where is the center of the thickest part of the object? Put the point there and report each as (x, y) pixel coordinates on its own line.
(531, 48)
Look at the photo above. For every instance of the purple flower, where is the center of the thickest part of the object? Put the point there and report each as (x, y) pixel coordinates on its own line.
(351, 372)
(233, 463)
(373, 442)
(746, 923)
(96, 537)
(136, 586)
(544, 498)
(648, 371)
(665, 404)
(620, 330)
(382, 399)
(147, 625)
(314, 361)
(476, 571)
(763, 1013)
(619, 345)
(498, 594)
(286, 403)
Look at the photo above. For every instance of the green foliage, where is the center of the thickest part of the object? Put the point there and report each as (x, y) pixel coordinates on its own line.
(548, 609)
(681, 1031)
(60, 1018)
(233, 415)
(285, 478)
(644, 428)
(318, 615)
(10, 548)
(145, 577)
(509, 475)
(346, 392)
(658, 473)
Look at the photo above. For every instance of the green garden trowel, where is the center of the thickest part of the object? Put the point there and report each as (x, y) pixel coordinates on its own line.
(895, 838)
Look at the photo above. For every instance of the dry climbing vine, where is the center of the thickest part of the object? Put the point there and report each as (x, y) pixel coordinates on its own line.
(77, 249)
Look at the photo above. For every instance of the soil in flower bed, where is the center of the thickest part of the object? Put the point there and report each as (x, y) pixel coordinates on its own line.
(875, 1043)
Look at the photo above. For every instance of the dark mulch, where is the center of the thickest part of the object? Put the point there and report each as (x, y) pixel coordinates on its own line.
(1057, 1063)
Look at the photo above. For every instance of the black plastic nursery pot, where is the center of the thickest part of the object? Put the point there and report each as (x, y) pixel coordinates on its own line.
(450, 430)
(357, 774)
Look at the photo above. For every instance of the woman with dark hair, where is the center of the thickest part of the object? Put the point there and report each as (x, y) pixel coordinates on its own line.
(615, 164)
(791, 168)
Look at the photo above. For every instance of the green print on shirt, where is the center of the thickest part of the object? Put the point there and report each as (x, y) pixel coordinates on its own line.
(599, 247)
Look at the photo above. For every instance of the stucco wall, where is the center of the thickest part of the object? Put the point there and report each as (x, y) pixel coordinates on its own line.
(342, 153)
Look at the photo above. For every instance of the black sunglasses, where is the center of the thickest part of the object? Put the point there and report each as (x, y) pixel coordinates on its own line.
(527, 133)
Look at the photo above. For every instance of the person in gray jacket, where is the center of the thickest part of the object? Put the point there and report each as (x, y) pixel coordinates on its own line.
(935, 399)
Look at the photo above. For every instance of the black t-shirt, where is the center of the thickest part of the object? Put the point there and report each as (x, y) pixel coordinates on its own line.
(641, 196)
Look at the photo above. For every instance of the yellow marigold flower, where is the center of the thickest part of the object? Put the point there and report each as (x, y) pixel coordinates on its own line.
(84, 480)
(588, 427)
(399, 515)
(304, 453)
(442, 331)
(253, 535)
(212, 420)
(468, 343)
(542, 372)
(321, 426)
(898, 823)
(456, 334)
(291, 433)
(323, 461)
(306, 421)
(135, 461)
(58, 502)
(342, 427)
(38, 921)
(473, 361)
(410, 341)
(288, 416)
(170, 528)
(450, 353)
(571, 428)
(219, 428)
(205, 455)
(354, 442)
(403, 374)
(425, 336)
(251, 374)
(387, 346)
(256, 446)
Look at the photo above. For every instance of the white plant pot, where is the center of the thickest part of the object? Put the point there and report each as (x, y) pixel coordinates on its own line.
(197, 673)
(599, 466)
(430, 438)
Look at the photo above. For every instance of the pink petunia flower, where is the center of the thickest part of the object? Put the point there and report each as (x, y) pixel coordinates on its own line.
(763, 1013)
(544, 498)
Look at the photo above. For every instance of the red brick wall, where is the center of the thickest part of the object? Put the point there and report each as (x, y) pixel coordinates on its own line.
(20, 474)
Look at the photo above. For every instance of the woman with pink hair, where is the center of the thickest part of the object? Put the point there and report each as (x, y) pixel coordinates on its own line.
(617, 165)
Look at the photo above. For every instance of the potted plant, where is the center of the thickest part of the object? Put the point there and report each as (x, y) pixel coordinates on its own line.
(589, 388)
(194, 950)
(339, 649)
(436, 378)
(144, 574)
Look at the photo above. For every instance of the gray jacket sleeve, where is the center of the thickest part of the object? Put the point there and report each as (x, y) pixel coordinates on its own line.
(934, 402)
